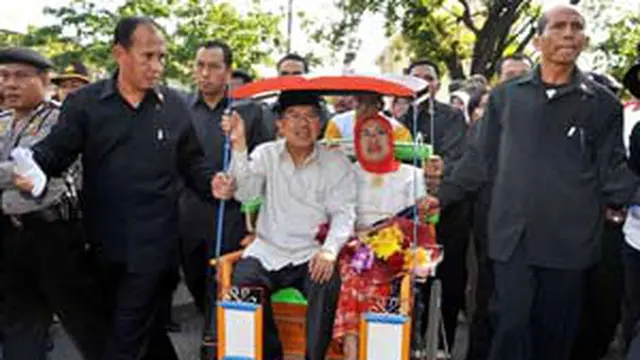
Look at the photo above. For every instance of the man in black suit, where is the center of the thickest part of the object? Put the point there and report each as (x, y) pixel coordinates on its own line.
(551, 143)
(445, 127)
(198, 218)
(137, 142)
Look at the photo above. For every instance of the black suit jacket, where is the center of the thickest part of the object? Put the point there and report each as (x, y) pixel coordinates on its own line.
(133, 159)
(449, 128)
(554, 163)
(198, 218)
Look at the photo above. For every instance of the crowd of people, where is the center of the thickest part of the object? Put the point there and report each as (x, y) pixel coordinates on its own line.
(534, 176)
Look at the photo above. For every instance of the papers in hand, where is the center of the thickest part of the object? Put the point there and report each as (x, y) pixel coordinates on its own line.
(27, 167)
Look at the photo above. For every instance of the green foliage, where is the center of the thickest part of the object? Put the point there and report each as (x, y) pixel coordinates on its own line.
(616, 50)
(451, 32)
(83, 30)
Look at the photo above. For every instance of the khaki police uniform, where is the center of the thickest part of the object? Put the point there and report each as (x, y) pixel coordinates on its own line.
(42, 270)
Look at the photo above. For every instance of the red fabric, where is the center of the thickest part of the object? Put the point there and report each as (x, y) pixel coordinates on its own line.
(371, 289)
(389, 163)
(358, 295)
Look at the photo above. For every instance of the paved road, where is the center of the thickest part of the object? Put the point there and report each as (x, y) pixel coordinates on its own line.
(187, 342)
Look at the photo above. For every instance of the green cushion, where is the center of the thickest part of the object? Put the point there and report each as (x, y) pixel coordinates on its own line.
(289, 296)
(252, 206)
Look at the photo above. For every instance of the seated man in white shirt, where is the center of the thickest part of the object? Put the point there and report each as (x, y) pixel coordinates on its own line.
(303, 186)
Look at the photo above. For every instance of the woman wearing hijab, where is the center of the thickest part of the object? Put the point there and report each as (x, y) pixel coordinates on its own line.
(385, 187)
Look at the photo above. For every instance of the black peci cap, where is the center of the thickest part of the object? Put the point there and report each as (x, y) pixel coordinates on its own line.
(296, 98)
(20, 55)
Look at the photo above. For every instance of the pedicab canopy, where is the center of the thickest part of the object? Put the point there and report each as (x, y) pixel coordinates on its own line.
(348, 84)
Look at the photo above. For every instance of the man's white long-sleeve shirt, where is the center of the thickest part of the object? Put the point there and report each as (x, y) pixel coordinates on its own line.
(297, 200)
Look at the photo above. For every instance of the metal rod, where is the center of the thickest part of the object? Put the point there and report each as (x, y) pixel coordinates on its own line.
(289, 25)
(226, 155)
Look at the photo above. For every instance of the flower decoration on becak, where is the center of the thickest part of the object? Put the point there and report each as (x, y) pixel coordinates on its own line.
(392, 246)
(420, 260)
(386, 242)
(362, 259)
(396, 262)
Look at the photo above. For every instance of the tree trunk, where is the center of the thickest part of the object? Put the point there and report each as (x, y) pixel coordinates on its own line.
(492, 37)
(454, 66)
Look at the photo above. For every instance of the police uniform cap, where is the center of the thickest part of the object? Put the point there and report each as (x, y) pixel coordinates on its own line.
(20, 55)
(75, 70)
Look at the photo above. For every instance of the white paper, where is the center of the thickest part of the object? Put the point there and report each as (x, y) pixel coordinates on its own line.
(27, 167)
(240, 334)
(384, 341)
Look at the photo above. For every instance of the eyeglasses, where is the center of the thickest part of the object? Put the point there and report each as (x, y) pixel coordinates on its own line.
(299, 118)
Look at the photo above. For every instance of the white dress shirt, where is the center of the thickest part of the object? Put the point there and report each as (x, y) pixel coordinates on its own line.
(383, 195)
(297, 200)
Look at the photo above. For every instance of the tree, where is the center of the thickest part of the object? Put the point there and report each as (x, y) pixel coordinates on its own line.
(84, 28)
(619, 49)
(616, 51)
(446, 31)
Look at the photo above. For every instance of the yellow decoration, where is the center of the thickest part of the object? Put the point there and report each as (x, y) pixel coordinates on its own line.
(423, 257)
(418, 258)
(386, 242)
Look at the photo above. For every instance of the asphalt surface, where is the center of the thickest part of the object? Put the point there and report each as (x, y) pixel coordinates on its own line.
(187, 341)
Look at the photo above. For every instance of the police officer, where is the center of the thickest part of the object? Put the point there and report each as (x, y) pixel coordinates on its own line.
(42, 246)
(551, 141)
(72, 78)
